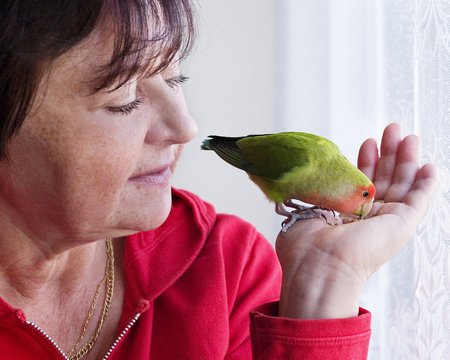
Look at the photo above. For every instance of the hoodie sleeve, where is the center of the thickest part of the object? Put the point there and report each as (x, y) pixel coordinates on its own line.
(281, 338)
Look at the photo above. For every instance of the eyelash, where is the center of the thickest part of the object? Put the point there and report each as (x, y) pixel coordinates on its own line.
(128, 108)
(125, 109)
(176, 81)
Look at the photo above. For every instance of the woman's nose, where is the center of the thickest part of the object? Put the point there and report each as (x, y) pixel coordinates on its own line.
(172, 122)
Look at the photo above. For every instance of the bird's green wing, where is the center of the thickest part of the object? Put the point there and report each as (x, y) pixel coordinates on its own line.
(272, 156)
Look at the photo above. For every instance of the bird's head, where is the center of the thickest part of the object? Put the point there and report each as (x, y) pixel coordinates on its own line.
(366, 196)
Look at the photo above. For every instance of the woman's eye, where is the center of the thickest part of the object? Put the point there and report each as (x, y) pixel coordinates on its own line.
(176, 81)
(125, 109)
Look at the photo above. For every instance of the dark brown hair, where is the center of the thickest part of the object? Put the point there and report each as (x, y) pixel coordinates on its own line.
(35, 33)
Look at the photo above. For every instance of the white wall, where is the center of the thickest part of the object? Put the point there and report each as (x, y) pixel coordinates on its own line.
(230, 93)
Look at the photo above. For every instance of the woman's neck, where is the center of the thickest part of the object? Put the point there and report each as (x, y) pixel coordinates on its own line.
(28, 275)
(35, 260)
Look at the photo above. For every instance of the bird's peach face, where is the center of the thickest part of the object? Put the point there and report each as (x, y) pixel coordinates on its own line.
(368, 196)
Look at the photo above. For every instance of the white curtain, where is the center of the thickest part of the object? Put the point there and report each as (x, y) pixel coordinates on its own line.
(345, 69)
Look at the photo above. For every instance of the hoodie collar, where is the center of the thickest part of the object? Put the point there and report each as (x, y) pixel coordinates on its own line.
(155, 259)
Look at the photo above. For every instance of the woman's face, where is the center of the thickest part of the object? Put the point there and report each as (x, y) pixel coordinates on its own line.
(88, 166)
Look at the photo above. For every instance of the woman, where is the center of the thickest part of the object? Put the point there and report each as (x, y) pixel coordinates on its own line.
(101, 258)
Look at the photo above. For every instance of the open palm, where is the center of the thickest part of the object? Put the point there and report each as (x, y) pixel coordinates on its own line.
(325, 267)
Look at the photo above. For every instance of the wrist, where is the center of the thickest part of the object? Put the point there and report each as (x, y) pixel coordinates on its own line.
(331, 296)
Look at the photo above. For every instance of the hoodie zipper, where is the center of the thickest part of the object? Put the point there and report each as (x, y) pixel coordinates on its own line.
(48, 338)
(61, 353)
(122, 334)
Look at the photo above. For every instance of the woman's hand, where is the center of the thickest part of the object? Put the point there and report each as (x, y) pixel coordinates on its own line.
(325, 267)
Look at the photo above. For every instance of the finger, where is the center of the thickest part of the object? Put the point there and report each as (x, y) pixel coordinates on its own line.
(388, 157)
(407, 164)
(368, 158)
(415, 203)
(391, 138)
(423, 189)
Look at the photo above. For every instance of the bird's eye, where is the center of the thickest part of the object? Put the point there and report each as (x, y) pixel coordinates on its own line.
(365, 193)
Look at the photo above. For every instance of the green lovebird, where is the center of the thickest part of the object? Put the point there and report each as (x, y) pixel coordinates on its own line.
(297, 165)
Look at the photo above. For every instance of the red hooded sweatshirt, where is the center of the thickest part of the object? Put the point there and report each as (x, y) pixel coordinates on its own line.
(201, 286)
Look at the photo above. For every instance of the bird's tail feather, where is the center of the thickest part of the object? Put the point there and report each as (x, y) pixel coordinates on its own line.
(205, 144)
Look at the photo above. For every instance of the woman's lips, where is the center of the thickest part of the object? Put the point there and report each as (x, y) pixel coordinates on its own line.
(158, 177)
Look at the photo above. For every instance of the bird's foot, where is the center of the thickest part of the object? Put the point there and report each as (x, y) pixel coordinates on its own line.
(301, 208)
(303, 213)
(295, 216)
(291, 204)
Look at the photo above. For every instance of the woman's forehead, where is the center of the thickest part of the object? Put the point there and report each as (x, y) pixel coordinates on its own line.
(83, 67)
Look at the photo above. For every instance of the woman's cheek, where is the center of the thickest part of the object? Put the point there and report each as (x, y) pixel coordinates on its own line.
(98, 172)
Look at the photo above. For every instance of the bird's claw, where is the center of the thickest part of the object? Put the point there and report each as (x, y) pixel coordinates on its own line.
(303, 213)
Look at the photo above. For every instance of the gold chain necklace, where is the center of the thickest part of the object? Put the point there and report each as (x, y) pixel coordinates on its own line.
(75, 353)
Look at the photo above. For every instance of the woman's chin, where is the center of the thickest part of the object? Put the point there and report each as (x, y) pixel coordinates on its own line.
(145, 212)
